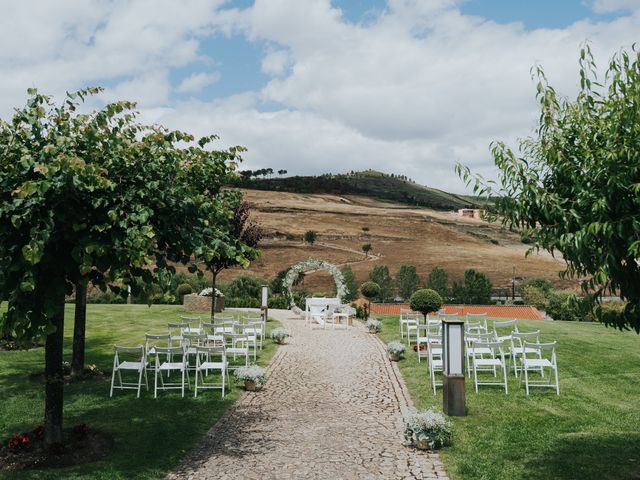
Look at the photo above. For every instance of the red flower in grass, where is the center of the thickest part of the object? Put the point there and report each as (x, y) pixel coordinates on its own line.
(19, 442)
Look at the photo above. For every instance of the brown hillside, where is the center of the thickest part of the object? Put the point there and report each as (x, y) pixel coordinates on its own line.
(399, 235)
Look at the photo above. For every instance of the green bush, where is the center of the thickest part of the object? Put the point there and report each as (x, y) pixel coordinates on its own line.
(568, 307)
(184, 289)
(541, 283)
(425, 301)
(242, 302)
(533, 296)
(278, 301)
(370, 290)
(98, 296)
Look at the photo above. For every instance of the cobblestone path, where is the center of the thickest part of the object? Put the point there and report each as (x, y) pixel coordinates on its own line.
(332, 409)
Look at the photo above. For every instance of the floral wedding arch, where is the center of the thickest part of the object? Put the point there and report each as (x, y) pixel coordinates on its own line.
(313, 264)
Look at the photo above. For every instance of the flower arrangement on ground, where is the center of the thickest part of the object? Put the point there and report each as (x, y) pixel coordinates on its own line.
(374, 325)
(395, 350)
(428, 430)
(253, 376)
(208, 291)
(279, 335)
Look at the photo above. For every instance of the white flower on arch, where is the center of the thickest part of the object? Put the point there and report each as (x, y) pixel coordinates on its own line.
(313, 264)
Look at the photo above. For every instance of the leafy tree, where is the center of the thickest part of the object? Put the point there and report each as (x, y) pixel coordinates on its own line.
(282, 172)
(366, 248)
(425, 301)
(365, 229)
(237, 242)
(407, 280)
(380, 275)
(350, 284)
(438, 280)
(95, 197)
(310, 236)
(476, 289)
(244, 286)
(369, 290)
(575, 187)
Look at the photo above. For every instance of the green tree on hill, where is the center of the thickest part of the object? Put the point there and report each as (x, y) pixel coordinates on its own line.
(475, 290)
(380, 275)
(407, 280)
(310, 236)
(438, 280)
(350, 283)
(366, 248)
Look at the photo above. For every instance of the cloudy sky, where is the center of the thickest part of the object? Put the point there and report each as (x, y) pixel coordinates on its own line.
(315, 86)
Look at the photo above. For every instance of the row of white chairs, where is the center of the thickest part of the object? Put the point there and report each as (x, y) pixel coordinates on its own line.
(168, 360)
(489, 351)
(209, 346)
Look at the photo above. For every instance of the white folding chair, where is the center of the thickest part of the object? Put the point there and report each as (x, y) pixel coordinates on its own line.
(195, 323)
(252, 330)
(434, 352)
(152, 340)
(501, 327)
(167, 364)
(473, 328)
(406, 314)
(211, 358)
(537, 362)
(483, 362)
(237, 344)
(469, 339)
(423, 339)
(175, 332)
(517, 348)
(136, 361)
(480, 318)
(191, 342)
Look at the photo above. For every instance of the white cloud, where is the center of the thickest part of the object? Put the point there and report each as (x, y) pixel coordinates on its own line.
(608, 6)
(197, 81)
(412, 91)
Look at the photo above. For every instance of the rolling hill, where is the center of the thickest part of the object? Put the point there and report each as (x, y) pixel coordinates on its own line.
(373, 184)
(399, 234)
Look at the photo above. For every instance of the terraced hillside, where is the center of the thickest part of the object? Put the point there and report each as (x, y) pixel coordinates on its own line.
(399, 235)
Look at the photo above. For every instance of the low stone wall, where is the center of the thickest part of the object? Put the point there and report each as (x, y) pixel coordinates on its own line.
(197, 303)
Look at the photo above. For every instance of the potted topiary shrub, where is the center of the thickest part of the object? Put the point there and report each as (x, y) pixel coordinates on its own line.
(425, 301)
(369, 290)
(428, 430)
(395, 350)
(374, 325)
(279, 335)
(254, 377)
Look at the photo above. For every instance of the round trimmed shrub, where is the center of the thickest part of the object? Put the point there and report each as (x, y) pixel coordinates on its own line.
(184, 289)
(425, 301)
(370, 289)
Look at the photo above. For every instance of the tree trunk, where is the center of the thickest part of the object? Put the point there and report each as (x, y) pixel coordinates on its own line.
(79, 327)
(54, 395)
(214, 298)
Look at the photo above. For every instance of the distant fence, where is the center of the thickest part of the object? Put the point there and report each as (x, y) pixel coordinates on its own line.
(523, 312)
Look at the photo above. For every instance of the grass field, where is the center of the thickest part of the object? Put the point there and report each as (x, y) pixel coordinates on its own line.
(150, 436)
(592, 431)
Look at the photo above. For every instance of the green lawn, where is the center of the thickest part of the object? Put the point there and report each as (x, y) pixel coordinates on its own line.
(592, 431)
(150, 435)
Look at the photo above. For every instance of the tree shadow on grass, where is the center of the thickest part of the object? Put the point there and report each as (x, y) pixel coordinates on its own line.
(590, 456)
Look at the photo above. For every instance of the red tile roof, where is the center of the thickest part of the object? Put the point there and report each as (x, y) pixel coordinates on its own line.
(523, 312)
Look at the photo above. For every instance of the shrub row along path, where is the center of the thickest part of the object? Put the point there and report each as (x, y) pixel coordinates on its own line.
(332, 408)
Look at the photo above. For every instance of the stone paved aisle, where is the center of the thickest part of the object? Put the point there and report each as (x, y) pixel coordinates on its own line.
(332, 409)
